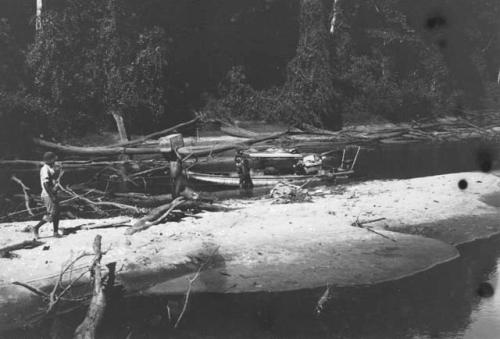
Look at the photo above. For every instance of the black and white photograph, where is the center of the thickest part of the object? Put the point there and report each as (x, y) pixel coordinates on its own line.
(240, 169)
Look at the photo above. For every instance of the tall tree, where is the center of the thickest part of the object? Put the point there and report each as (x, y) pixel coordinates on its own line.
(310, 78)
(91, 64)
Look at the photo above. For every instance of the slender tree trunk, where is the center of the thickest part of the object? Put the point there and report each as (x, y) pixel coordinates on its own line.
(122, 131)
(38, 19)
(335, 16)
(310, 76)
(120, 126)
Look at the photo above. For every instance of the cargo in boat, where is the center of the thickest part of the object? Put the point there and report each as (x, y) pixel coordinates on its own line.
(276, 165)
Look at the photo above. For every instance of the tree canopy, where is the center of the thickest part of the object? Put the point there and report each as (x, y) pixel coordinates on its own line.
(156, 62)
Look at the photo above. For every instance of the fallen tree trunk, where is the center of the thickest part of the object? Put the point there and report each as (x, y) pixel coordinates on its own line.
(238, 132)
(92, 226)
(4, 251)
(315, 130)
(87, 329)
(99, 150)
(154, 135)
(209, 150)
(75, 164)
(155, 216)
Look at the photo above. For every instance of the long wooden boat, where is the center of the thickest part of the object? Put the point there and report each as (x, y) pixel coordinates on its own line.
(232, 179)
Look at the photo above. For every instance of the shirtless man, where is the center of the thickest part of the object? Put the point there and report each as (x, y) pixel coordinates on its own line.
(48, 181)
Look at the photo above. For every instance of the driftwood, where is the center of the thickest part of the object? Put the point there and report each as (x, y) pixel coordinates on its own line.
(154, 135)
(92, 226)
(75, 164)
(204, 206)
(238, 132)
(155, 217)
(87, 329)
(26, 194)
(136, 199)
(209, 150)
(315, 130)
(5, 251)
(361, 224)
(98, 203)
(101, 150)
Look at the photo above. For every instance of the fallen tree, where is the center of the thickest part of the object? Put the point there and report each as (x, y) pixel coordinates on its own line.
(198, 151)
(155, 134)
(101, 150)
(155, 217)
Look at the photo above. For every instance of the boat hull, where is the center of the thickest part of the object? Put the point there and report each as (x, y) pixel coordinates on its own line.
(263, 180)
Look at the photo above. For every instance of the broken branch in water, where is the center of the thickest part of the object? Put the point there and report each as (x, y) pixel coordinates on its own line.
(26, 194)
(359, 224)
(190, 286)
(320, 305)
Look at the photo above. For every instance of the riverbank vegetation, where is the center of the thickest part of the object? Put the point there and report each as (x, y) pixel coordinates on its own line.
(153, 63)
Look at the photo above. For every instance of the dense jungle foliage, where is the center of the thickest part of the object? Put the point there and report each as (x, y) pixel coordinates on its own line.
(157, 62)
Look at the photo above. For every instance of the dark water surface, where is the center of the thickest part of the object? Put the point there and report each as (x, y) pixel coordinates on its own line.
(449, 301)
(444, 302)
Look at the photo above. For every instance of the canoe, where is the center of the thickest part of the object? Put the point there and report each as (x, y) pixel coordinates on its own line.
(232, 179)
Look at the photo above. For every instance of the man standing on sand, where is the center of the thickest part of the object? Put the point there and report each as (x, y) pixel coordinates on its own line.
(48, 181)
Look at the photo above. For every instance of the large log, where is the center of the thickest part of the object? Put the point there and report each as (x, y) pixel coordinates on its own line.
(154, 135)
(238, 132)
(155, 217)
(315, 130)
(201, 151)
(79, 164)
(99, 150)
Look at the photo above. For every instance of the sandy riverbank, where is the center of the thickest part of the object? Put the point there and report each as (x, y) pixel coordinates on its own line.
(266, 247)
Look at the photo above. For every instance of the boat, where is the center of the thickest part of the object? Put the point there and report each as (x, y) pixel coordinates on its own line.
(233, 179)
(306, 168)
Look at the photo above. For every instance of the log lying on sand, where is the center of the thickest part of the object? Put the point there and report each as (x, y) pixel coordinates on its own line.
(5, 251)
(155, 217)
(99, 150)
(93, 226)
(159, 214)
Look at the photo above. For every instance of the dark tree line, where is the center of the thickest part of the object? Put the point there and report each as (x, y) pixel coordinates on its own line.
(156, 62)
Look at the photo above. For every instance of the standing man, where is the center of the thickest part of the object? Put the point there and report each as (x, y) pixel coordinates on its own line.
(243, 169)
(48, 181)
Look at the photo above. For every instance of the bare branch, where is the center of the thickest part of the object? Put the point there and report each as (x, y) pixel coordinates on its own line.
(26, 195)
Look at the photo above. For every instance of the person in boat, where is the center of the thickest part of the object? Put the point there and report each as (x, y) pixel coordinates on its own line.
(49, 181)
(243, 169)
